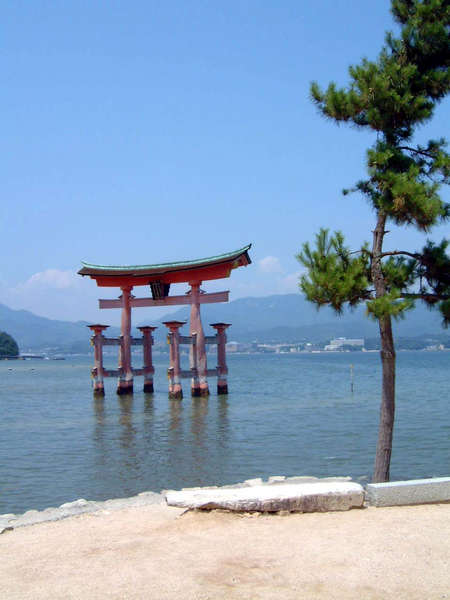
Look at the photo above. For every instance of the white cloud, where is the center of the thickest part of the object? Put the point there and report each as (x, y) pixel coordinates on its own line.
(270, 264)
(52, 278)
(59, 294)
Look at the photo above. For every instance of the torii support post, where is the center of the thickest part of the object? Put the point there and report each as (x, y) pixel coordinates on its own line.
(222, 369)
(97, 371)
(199, 383)
(125, 383)
(174, 372)
(147, 343)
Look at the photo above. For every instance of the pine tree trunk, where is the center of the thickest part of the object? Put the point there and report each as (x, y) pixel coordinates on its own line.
(387, 353)
(387, 410)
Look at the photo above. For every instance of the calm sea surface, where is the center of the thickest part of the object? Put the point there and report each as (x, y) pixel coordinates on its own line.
(290, 414)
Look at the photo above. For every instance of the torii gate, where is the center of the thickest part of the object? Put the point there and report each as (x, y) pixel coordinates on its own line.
(159, 277)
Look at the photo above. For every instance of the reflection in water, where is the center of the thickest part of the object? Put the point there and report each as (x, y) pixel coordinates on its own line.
(99, 410)
(100, 443)
(128, 432)
(155, 445)
(130, 465)
(175, 456)
(199, 412)
(222, 421)
(149, 406)
(148, 424)
(200, 452)
(223, 449)
(176, 413)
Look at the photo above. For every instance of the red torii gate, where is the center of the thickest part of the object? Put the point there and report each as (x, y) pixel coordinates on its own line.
(159, 277)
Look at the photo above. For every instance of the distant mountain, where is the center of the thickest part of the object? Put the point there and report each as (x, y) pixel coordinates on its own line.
(289, 317)
(33, 332)
(279, 318)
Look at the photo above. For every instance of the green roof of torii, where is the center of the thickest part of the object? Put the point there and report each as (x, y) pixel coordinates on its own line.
(91, 269)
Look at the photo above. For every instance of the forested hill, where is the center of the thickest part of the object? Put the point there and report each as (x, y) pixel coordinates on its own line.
(280, 318)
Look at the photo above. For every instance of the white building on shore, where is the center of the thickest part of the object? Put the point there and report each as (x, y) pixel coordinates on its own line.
(339, 343)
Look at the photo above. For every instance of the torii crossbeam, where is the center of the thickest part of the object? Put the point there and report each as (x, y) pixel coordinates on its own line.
(159, 277)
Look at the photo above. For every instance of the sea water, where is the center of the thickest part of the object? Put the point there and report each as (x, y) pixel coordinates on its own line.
(286, 414)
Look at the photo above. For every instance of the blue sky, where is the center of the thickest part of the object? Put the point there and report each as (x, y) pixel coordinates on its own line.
(138, 132)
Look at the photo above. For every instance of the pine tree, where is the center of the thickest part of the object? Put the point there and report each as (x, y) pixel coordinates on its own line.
(391, 96)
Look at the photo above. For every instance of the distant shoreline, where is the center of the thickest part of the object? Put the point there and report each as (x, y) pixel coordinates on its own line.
(64, 356)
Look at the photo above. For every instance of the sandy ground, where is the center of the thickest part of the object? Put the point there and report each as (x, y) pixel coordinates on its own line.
(160, 553)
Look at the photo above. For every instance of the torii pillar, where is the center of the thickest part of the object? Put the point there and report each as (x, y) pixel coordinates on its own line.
(199, 383)
(97, 371)
(125, 383)
(222, 369)
(147, 342)
(174, 372)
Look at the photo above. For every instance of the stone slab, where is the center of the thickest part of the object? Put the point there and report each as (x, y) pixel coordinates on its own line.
(77, 507)
(273, 480)
(294, 497)
(416, 491)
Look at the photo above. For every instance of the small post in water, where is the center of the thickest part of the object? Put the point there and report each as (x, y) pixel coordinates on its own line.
(351, 378)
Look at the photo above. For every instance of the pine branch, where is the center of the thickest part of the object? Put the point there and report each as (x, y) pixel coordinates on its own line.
(416, 151)
(401, 253)
(426, 296)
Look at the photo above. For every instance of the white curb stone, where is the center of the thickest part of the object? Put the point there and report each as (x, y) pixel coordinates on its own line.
(302, 497)
(416, 491)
